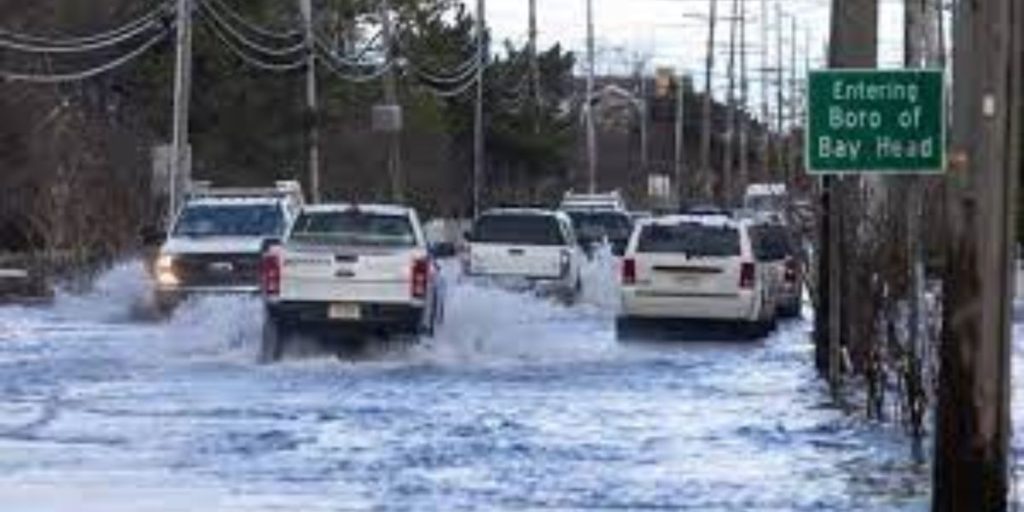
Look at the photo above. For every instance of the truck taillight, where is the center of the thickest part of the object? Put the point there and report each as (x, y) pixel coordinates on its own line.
(748, 276)
(420, 276)
(565, 264)
(791, 270)
(629, 271)
(270, 270)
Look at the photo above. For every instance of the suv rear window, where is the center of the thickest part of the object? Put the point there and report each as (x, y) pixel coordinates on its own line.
(692, 239)
(596, 225)
(518, 229)
(354, 228)
(230, 220)
(771, 243)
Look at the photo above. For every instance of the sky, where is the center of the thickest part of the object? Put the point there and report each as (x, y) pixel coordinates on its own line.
(674, 32)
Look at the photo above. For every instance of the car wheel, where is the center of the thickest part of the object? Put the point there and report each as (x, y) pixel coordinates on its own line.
(624, 328)
(272, 345)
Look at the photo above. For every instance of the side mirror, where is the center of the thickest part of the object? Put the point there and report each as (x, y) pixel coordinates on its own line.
(151, 236)
(442, 250)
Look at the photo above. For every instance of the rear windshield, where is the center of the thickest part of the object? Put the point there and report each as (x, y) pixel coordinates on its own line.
(594, 225)
(518, 229)
(354, 228)
(771, 243)
(691, 239)
(262, 220)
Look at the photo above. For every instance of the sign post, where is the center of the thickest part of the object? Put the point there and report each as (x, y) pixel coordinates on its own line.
(876, 122)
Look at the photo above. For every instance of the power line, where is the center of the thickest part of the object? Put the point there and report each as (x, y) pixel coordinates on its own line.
(85, 74)
(153, 15)
(256, 62)
(98, 44)
(255, 27)
(211, 14)
(359, 79)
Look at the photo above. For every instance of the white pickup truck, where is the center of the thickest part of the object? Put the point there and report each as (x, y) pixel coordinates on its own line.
(521, 247)
(355, 270)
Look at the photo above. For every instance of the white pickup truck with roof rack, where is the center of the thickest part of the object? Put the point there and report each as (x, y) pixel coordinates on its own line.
(695, 268)
(355, 270)
(526, 248)
(215, 243)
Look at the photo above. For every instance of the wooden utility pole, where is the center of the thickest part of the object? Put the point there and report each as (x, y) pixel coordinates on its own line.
(766, 140)
(181, 154)
(853, 44)
(780, 72)
(313, 119)
(707, 121)
(479, 144)
(744, 128)
(973, 416)
(792, 155)
(589, 105)
(730, 109)
(680, 133)
(394, 137)
(534, 63)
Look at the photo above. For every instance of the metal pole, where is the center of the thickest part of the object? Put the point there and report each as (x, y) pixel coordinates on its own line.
(478, 120)
(588, 108)
(706, 124)
(780, 94)
(391, 99)
(766, 141)
(534, 63)
(313, 121)
(181, 168)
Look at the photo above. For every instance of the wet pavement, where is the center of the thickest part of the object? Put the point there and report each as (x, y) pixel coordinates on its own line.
(517, 404)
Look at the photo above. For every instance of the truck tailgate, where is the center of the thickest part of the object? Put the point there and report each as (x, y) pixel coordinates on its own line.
(347, 276)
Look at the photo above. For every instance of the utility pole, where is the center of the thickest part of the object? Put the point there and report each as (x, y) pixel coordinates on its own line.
(534, 63)
(478, 118)
(312, 112)
(853, 44)
(766, 141)
(744, 101)
(391, 100)
(780, 95)
(589, 105)
(706, 124)
(181, 154)
(791, 153)
(971, 468)
(680, 152)
(730, 112)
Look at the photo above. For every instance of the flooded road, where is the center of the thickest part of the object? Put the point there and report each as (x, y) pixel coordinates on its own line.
(517, 404)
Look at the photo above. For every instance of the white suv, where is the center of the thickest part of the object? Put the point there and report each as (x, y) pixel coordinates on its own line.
(695, 268)
(358, 270)
(531, 247)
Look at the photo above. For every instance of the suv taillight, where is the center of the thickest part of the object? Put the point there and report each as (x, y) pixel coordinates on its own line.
(270, 270)
(629, 271)
(748, 276)
(565, 264)
(420, 275)
(791, 270)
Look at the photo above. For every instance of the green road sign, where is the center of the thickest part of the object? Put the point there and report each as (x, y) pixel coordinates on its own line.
(876, 122)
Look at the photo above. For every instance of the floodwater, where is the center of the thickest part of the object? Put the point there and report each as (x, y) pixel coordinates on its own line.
(517, 404)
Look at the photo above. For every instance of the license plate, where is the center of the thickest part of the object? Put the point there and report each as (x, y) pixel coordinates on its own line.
(344, 312)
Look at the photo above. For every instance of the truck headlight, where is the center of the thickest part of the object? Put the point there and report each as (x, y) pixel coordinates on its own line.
(165, 271)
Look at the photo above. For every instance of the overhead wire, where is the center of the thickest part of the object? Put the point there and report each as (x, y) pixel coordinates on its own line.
(215, 17)
(255, 27)
(359, 79)
(84, 74)
(342, 59)
(256, 62)
(458, 91)
(98, 44)
(48, 41)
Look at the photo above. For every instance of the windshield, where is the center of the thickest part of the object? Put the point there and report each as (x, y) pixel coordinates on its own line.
(518, 229)
(354, 228)
(595, 225)
(691, 239)
(250, 220)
